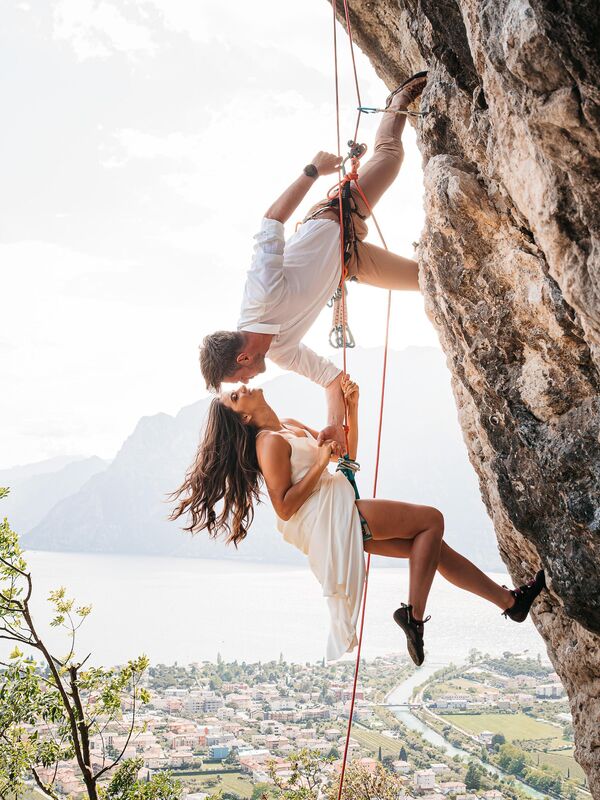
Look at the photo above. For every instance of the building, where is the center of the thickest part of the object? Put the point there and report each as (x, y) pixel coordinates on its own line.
(486, 737)
(550, 690)
(453, 787)
(219, 751)
(424, 779)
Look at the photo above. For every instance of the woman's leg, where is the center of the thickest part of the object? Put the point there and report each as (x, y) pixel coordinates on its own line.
(423, 526)
(453, 567)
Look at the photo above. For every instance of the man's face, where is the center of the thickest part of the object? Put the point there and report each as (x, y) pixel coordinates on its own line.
(250, 367)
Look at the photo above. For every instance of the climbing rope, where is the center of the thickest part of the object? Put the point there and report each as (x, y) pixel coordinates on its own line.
(347, 466)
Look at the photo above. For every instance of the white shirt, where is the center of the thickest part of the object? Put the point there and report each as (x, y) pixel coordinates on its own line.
(287, 285)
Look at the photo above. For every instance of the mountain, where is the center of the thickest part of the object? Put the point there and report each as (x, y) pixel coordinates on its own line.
(124, 508)
(18, 473)
(36, 488)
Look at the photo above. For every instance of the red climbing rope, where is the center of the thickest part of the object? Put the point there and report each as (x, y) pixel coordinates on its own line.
(353, 176)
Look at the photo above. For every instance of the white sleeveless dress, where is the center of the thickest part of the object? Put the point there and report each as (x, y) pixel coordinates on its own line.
(327, 529)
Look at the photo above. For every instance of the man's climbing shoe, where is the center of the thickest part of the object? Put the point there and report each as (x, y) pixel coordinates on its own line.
(414, 632)
(412, 86)
(524, 597)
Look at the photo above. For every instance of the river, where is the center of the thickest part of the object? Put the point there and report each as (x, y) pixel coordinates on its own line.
(402, 694)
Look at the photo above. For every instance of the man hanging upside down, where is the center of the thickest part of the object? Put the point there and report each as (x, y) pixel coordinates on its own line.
(289, 283)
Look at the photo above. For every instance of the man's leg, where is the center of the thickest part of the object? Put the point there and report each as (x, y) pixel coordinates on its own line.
(378, 267)
(380, 171)
(371, 264)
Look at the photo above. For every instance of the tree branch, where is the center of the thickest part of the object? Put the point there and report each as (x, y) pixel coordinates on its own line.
(16, 569)
(83, 728)
(63, 694)
(43, 786)
(131, 727)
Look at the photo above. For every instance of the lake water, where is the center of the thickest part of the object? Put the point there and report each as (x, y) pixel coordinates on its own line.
(188, 610)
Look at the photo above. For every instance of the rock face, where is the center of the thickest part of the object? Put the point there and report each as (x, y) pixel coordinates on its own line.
(510, 270)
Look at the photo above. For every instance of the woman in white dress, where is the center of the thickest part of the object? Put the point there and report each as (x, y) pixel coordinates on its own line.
(245, 441)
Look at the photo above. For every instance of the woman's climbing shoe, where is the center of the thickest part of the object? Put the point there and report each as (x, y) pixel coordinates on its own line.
(524, 597)
(419, 79)
(413, 628)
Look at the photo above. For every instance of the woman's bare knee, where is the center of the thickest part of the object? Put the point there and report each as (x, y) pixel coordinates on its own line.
(436, 520)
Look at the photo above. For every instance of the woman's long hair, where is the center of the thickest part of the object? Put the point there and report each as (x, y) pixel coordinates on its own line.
(225, 468)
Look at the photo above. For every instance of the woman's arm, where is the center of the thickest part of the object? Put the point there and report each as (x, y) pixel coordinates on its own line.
(335, 451)
(274, 460)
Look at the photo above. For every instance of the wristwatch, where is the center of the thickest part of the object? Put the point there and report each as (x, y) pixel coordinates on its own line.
(311, 171)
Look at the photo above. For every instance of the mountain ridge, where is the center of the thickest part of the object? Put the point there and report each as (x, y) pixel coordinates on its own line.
(124, 508)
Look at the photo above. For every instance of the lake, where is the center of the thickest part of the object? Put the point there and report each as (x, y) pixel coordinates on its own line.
(189, 610)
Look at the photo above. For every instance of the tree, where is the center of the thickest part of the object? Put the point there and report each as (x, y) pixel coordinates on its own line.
(362, 784)
(379, 754)
(497, 740)
(388, 762)
(260, 791)
(308, 775)
(473, 777)
(403, 756)
(51, 711)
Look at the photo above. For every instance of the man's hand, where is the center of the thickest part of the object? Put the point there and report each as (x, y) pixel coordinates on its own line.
(326, 163)
(334, 433)
(350, 391)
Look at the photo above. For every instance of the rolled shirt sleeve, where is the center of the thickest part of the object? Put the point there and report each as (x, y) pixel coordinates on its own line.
(265, 280)
(301, 359)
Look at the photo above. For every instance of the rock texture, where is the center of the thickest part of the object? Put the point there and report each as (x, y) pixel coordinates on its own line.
(510, 270)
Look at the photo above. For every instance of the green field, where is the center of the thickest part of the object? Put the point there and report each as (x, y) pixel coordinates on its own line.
(372, 741)
(458, 684)
(228, 782)
(561, 760)
(513, 726)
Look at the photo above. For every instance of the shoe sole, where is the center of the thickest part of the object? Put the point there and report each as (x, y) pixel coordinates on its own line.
(407, 82)
(410, 645)
(542, 585)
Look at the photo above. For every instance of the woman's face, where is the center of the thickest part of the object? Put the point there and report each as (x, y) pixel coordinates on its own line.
(244, 401)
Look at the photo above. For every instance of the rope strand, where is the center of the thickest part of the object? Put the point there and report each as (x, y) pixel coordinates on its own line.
(354, 177)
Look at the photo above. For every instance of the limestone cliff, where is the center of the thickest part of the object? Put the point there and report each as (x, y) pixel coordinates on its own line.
(510, 269)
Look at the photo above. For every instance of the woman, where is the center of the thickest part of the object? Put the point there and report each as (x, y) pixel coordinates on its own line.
(244, 441)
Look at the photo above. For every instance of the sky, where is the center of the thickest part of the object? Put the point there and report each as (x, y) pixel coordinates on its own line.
(142, 143)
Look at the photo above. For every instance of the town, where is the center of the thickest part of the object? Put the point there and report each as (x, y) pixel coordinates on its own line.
(235, 730)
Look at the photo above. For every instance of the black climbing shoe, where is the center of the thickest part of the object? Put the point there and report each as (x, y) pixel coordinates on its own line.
(413, 91)
(524, 597)
(414, 632)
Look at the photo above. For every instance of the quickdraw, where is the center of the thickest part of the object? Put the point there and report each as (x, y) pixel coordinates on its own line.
(405, 111)
(340, 335)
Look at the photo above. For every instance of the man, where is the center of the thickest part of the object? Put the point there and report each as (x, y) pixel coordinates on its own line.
(290, 282)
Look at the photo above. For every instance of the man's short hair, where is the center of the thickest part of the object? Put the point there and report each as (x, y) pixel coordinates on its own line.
(218, 356)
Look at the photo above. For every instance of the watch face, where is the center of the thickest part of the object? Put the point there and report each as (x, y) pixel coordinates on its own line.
(311, 171)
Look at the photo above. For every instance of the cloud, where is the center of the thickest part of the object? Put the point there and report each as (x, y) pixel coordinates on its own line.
(100, 29)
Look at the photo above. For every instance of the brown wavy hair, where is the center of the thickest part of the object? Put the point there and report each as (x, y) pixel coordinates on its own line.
(225, 469)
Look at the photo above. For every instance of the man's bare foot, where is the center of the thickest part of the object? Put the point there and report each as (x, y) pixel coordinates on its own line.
(407, 92)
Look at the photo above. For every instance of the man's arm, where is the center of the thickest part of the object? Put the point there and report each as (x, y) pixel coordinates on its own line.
(285, 205)
(335, 412)
(301, 359)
